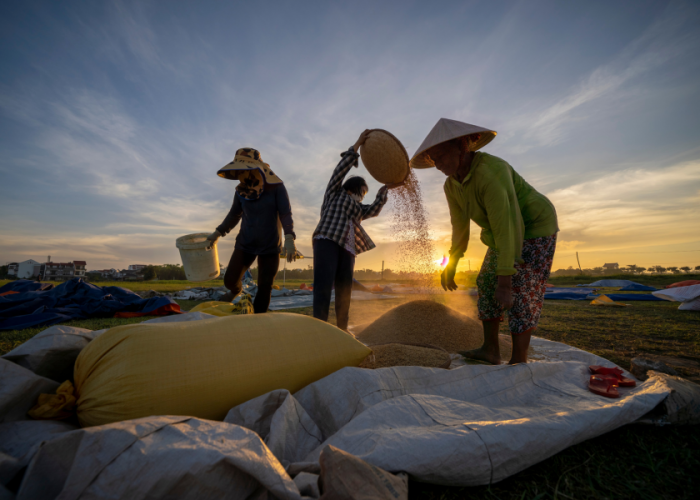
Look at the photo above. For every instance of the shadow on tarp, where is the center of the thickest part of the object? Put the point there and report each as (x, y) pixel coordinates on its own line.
(35, 305)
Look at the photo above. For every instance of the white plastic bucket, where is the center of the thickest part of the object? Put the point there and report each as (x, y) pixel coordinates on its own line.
(200, 263)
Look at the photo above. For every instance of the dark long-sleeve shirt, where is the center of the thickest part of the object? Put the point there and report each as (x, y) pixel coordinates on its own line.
(260, 219)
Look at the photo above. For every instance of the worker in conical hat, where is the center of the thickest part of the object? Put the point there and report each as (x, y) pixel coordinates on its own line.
(261, 204)
(518, 225)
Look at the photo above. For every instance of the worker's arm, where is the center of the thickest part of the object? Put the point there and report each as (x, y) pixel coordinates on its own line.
(233, 217)
(284, 209)
(347, 161)
(375, 208)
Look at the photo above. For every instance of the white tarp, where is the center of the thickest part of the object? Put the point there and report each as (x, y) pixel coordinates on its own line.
(688, 295)
(679, 294)
(474, 424)
(157, 457)
(52, 353)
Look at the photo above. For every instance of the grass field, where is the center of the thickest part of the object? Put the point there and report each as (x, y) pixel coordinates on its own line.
(635, 461)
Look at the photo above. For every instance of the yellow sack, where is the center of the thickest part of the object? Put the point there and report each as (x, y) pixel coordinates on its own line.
(604, 300)
(204, 368)
(217, 308)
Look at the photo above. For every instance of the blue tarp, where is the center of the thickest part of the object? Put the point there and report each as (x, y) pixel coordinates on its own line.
(626, 297)
(636, 287)
(611, 283)
(561, 293)
(36, 305)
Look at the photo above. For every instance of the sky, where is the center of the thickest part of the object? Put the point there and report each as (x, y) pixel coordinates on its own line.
(115, 117)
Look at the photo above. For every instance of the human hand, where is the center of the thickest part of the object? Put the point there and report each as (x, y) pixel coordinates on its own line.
(447, 278)
(213, 238)
(361, 140)
(290, 248)
(504, 292)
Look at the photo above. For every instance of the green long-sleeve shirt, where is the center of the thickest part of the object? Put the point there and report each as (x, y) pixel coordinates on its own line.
(507, 209)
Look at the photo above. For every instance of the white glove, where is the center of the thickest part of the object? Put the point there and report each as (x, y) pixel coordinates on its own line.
(213, 238)
(290, 248)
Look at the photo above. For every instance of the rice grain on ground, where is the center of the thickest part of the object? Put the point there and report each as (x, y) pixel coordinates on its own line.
(388, 355)
(427, 322)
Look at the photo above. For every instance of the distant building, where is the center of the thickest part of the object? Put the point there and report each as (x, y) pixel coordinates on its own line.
(136, 267)
(130, 275)
(105, 273)
(12, 268)
(612, 268)
(25, 270)
(62, 271)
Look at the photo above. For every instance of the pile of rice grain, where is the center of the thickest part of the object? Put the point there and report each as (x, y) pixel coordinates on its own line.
(427, 322)
(404, 355)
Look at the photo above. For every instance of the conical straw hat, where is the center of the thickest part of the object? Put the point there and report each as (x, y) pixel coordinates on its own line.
(384, 157)
(446, 130)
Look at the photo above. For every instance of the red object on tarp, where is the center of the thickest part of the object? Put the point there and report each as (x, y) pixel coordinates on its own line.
(303, 286)
(614, 372)
(161, 311)
(604, 385)
(7, 293)
(684, 283)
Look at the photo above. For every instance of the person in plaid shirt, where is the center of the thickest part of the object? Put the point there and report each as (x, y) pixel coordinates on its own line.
(339, 236)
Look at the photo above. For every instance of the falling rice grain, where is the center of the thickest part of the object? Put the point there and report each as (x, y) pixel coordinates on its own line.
(409, 226)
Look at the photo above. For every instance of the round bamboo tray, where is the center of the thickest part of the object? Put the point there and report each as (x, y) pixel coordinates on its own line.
(384, 157)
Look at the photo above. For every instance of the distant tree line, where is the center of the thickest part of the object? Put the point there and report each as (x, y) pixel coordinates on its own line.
(630, 269)
(164, 272)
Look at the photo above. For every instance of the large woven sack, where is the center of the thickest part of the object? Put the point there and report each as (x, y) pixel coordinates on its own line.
(384, 157)
(205, 368)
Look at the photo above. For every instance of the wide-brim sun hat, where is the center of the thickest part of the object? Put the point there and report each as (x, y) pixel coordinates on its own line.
(248, 159)
(384, 157)
(446, 130)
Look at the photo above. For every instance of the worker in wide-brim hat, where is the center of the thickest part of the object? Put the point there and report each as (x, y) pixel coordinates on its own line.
(518, 225)
(261, 204)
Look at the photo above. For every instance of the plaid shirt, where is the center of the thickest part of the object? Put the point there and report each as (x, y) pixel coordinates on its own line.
(339, 208)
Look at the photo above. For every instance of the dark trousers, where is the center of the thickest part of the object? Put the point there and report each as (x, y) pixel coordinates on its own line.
(267, 270)
(333, 265)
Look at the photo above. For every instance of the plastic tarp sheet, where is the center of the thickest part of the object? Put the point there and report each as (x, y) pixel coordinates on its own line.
(626, 297)
(21, 286)
(75, 299)
(474, 424)
(157, 457)
(688, 295)
(636, 287)
(679, 294)
(611, 283)
(562, 293)
(684, 283)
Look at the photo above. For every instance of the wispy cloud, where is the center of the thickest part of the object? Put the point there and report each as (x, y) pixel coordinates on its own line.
(662, 43)
(134, 118)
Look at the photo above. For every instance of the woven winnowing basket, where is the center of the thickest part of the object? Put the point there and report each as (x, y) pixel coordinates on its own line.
(384, 157)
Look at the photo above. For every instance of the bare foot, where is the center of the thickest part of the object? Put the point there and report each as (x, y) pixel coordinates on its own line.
(481, 355)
